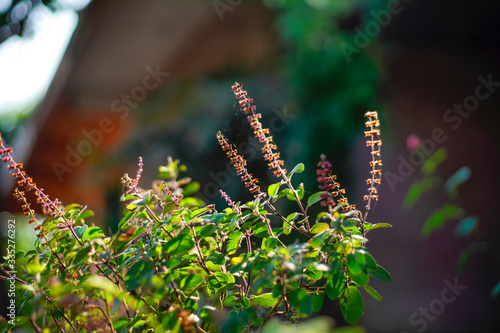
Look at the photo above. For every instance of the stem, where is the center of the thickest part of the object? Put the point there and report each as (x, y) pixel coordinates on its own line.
(55, 321)
(299, 203)
(55, 307)
(35, 326)
(200, 255)
(294, 227)
(272, 313)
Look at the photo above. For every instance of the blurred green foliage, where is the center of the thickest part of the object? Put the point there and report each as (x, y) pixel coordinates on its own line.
(330, 90)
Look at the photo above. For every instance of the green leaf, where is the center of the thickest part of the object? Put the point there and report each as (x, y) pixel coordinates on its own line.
(380, 273)
(229, 301)
(370, 262)
(207, 230)
(92, 233)
(128, 216)
(335, 285)
(361, 278)
(314, 198)
(102, 283)
(319, 239)
(466, 226)
(269, 243)
(300, 191)
(190, 281)
(287, 229)
(179, 245)
(266, 300)
(80, 230)
(312, 273)
(221, 281)
(235, 239)
(272, 190)
(352, 265)
(260, 230)
(319, 227)
(373, 293)
(34, 267)
(434, 160)
(301, 300)
(439, 217)
(458, 178)
(351, 305)
(81, 254)
(416, 190)
(198, 212)
(129, 197)
(139, 274)
(245, 302)
(217, 218)
(206, 312)
(191, 188)
(84, 215)
(192, 202)
(298, 168)
(369, 226)
(217, 258)
(317, 301)
(286, 192)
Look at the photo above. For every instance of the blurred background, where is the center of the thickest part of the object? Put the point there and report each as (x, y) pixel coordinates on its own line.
(88, 87)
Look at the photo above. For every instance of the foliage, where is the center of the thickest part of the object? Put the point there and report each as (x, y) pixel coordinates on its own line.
(15, 17)
(177, 264)
(333, 88)
(467, 226)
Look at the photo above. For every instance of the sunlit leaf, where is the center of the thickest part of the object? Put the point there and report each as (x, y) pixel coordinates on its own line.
(191, 188)
(266, 300)
(92, 233)
(272, 190)
(298, 168)
(234, 242)
(319, 227)
(373, 293)
(300, 191)
(207, 230)
(314, 198)
(179, 245)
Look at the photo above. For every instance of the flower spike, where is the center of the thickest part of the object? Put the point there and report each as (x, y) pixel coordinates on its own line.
(374, 142)
(239, 164)
(327, 182)
(270, 150)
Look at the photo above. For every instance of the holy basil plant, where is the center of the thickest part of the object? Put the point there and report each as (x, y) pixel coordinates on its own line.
(178, 264)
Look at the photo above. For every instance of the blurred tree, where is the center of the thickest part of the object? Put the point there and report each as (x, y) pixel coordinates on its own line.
(15, 15)
(331, 85)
